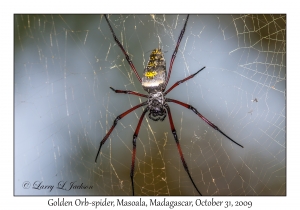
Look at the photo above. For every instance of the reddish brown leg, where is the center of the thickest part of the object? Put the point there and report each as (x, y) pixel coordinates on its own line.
(115, 123)
(178, 146)
(175, 52)
(129, 92)
(181, 81)
(123, 50)
(202, 117)
(135, 135)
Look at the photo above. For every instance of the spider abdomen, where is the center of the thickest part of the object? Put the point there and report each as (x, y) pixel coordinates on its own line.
(154, 77)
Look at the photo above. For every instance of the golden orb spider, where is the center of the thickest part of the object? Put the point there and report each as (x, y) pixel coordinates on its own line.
(154, 81)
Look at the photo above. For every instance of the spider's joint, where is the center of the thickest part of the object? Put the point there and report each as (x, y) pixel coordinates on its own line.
(175, 134)
(134, 139)
(193, 109)
(117, 119)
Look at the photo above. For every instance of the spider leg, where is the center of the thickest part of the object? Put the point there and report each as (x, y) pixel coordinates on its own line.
(123, 50)
(202, 117)
(135, 135)
(182, 81)
(129, 92)
(115, 123)
(175, 52)
(178, 146)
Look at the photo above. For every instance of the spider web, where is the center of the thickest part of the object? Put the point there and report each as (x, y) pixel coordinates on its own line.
(65, 64)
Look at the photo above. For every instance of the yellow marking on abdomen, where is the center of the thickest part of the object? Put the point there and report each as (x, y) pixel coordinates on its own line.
(150, 73)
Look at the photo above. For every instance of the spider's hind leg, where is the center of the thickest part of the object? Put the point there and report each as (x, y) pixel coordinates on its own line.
(123, 50)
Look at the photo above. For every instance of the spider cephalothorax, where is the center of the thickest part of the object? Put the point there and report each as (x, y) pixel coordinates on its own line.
(156, 102)
(154, 81)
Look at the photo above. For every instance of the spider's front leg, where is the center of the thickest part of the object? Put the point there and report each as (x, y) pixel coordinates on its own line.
(135, 135)
(202, 117)
(179, 147)
(115, 123)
